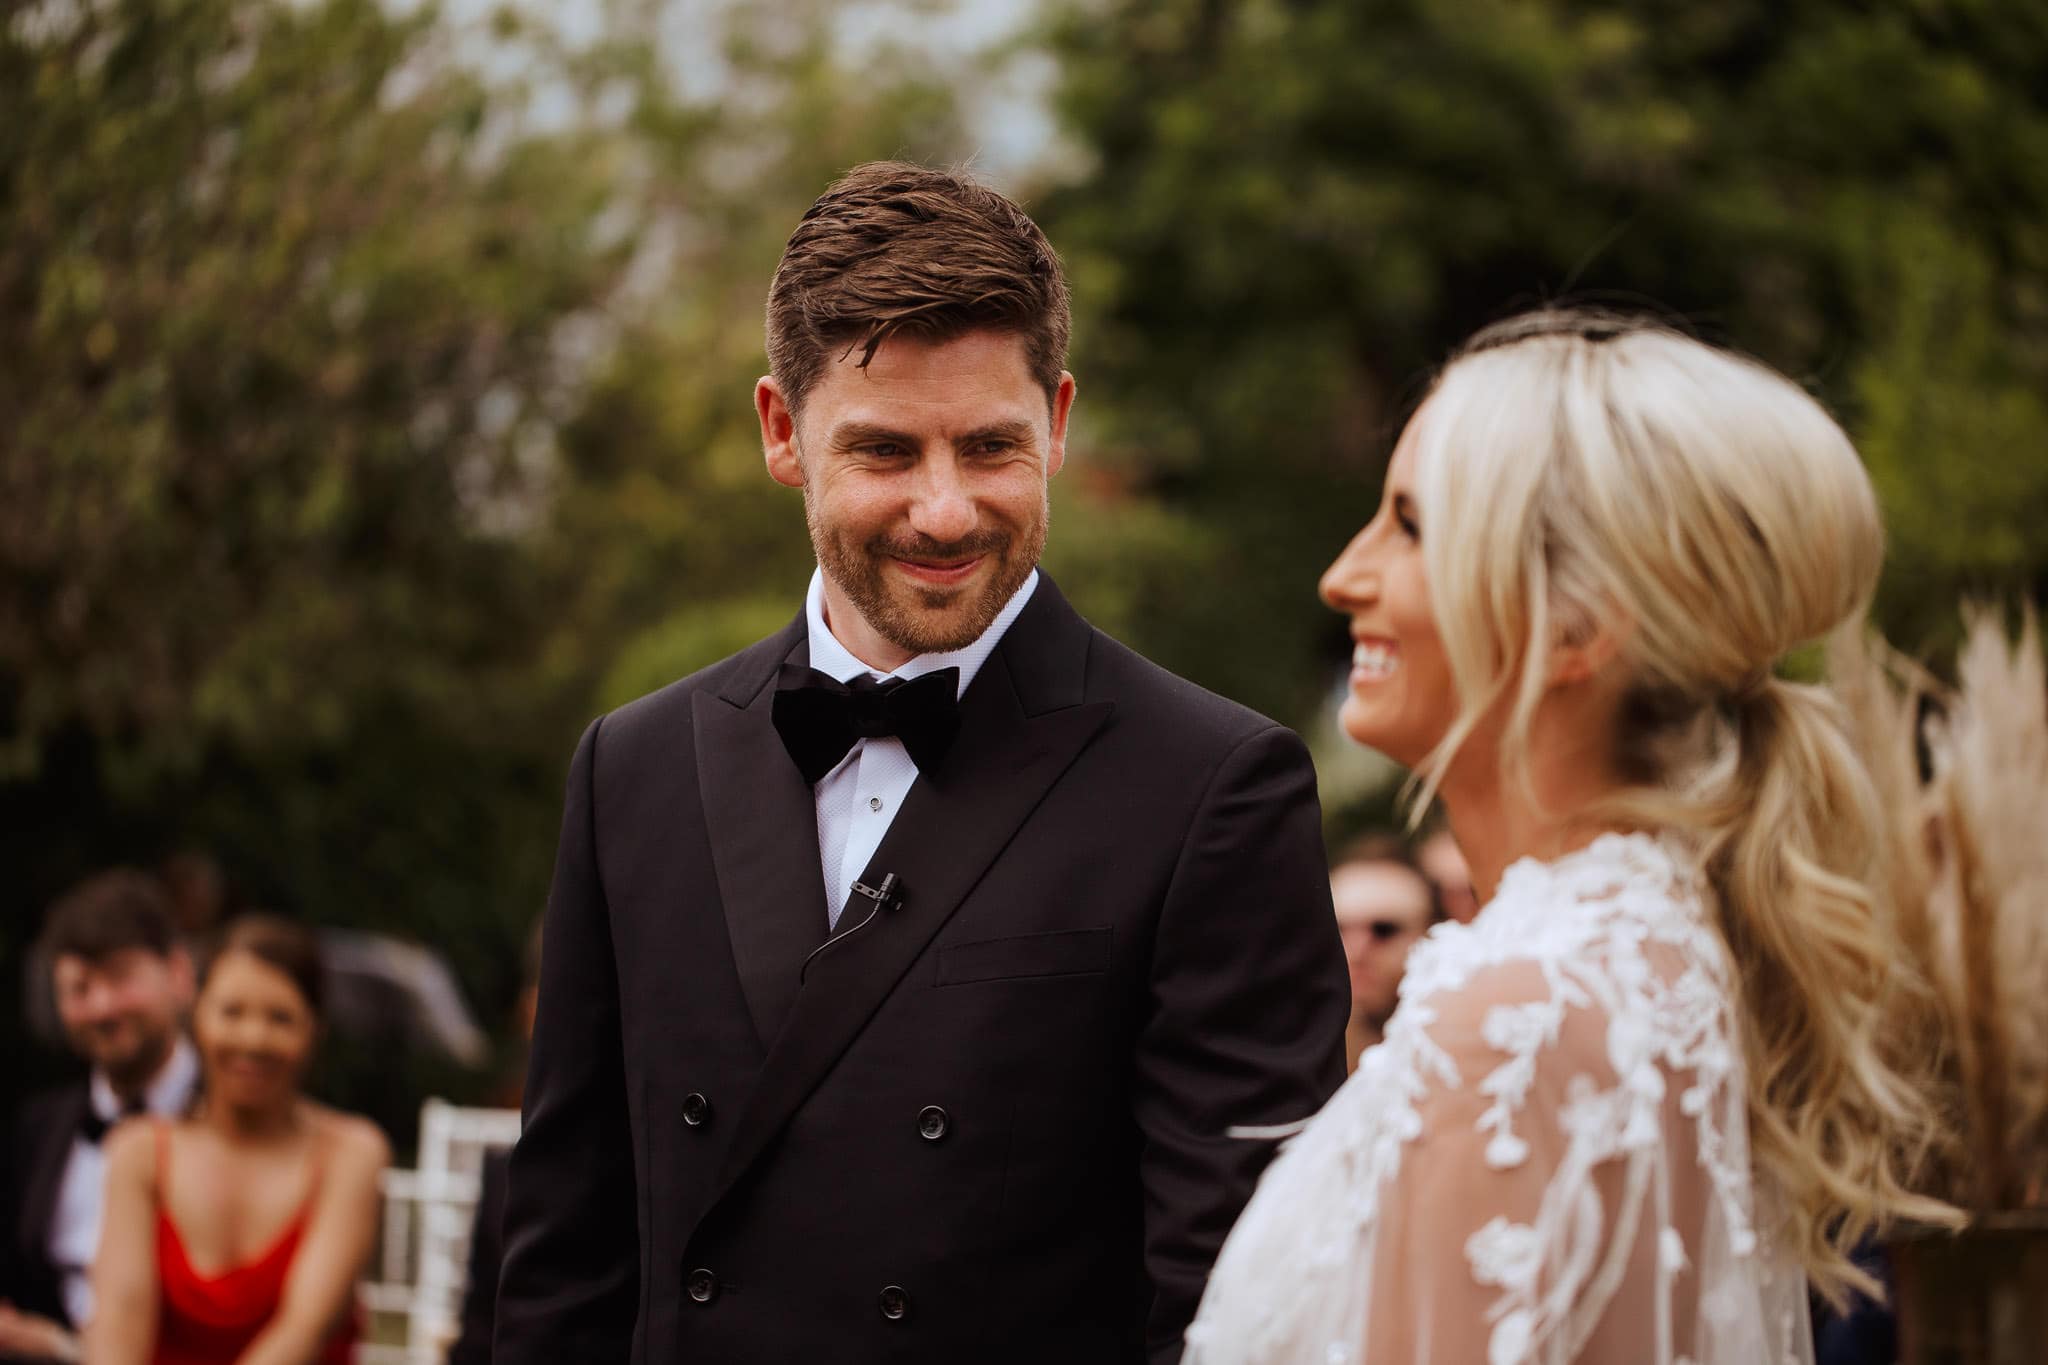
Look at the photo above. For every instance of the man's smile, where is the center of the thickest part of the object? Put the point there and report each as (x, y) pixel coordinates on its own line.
(939, 573)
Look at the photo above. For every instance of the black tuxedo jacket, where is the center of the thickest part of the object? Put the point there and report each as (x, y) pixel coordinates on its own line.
(988, 1126)
(41, 1148)
(486, 1255)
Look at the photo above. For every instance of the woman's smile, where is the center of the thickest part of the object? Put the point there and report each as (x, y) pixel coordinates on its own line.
(1374, 659)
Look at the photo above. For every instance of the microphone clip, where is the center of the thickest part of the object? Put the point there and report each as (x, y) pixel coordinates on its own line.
(887, 896)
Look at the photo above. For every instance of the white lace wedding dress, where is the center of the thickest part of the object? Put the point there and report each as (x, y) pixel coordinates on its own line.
(1547, 1160)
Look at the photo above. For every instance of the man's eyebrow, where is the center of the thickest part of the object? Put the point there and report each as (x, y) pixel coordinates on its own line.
(848, 434)
(871, 433)
(1016, 431)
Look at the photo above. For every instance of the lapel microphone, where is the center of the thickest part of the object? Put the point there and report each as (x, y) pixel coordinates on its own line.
(887, 896)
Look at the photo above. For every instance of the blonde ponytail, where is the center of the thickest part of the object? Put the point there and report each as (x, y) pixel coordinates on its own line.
(1836, 1110)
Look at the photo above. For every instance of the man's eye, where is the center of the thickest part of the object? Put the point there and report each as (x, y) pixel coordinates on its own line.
(994, 447)
(883, 450)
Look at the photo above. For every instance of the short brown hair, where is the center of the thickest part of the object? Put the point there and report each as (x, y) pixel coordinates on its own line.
(108, 913)
(896, 248)
(291, 948)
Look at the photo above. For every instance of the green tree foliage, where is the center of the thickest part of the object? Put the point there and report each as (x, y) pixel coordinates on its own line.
(282, 340)
(366, 429)
(284, 303)
(1291, 210)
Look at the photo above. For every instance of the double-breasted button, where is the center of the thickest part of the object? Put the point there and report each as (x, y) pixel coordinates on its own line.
(894, 1303)
(702, 1286)
(696, 1110)
(932, 1123)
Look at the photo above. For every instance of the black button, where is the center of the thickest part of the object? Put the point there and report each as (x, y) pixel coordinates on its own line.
(932, 1123)
(895, 1303)
(696, 1110)
(703, 1286)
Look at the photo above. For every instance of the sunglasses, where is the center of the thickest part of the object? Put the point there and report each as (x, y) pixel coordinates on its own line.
(1379, 930)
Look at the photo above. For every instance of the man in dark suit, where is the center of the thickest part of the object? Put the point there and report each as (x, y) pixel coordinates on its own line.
(123, 986)
(925, 982)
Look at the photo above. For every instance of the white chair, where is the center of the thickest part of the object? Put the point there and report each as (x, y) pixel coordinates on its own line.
(423, 1262)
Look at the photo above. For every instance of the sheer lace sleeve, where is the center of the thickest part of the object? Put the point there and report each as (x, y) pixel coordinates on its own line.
(1546, 1161)
(1520, 1229)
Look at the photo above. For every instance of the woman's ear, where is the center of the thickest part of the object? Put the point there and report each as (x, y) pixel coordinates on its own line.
(1585, 646)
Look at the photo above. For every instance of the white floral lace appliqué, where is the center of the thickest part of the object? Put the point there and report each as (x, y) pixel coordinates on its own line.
(1618, 932)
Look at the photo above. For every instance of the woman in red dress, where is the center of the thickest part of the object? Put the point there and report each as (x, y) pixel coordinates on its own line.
(235, 1236)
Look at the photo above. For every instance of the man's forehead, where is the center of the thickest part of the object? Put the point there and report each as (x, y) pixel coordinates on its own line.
(76, 965)
(912, 365)
(1362, 890)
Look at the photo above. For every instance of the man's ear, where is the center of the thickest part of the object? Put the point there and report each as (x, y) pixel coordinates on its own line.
(1062, 407)
(778, 433)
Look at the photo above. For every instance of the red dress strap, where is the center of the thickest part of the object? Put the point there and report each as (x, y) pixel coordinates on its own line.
(163, 1154)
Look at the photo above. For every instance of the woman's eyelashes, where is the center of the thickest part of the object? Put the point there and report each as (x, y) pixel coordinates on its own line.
(1404, 517)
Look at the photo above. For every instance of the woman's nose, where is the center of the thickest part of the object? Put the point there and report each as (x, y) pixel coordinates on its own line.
(1350, 582)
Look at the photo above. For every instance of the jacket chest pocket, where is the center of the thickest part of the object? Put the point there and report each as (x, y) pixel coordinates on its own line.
(1066, 952)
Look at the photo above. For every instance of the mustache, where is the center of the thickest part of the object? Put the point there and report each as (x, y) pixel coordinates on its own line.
(925, 549)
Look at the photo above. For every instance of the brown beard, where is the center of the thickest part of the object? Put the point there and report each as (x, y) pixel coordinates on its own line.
(131, 1072)
(923, 624)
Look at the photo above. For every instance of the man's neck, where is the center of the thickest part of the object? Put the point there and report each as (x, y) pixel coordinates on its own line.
(857, 637)
(133, 1085)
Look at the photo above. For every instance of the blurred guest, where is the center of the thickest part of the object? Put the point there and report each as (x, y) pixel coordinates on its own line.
(237, 1234)
(1443, 862)
(1384, 903)
(121, 985)
(486, 1233)
(195, 891)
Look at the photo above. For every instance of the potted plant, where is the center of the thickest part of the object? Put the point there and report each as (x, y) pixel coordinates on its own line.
(1962, 772)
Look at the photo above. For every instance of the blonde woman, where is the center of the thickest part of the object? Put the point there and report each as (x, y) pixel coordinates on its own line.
(1632, 1109)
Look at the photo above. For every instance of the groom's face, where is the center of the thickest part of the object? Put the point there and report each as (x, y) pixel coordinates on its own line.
(924, 480)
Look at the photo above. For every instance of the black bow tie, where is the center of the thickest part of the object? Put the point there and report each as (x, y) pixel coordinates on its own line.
(93, 1128)
(821, 718)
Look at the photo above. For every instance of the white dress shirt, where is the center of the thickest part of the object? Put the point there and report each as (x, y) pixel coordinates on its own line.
(858, 800)
(81, 1196)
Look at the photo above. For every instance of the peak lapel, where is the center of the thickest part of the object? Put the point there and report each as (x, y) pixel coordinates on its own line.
(1022, 724)
(763, 821)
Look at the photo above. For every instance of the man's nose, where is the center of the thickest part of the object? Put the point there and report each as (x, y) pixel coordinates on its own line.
(97, 1003)
(1351, 581)
(941, 507)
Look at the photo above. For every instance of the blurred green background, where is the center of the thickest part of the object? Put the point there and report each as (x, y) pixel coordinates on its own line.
(375, 380)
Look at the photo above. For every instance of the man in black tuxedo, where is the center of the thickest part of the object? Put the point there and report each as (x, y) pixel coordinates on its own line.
(123, 986)
(945, 1017)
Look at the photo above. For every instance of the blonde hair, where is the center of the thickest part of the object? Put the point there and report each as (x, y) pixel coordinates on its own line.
(1579, 470)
